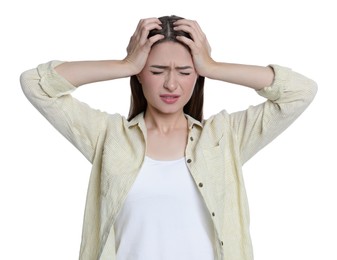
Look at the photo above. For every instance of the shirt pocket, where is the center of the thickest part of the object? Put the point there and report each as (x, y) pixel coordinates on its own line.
(212, 155)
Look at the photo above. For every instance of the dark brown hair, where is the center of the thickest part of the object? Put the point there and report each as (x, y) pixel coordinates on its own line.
(194, 106)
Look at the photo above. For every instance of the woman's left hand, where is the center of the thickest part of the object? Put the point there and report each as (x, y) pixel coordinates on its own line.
(200, 48)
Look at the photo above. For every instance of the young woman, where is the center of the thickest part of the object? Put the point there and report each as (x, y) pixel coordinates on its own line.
(166, 184)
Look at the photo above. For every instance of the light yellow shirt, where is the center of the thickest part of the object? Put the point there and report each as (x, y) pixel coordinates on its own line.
(216, 150)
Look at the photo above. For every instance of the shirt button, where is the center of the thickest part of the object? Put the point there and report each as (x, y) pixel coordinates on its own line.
(191, 138)
(221, 243)
(189, 161)
(213, 214)
(201, 184)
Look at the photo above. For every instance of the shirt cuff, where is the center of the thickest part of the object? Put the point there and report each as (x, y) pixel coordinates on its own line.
(277, 88)
(52, 83)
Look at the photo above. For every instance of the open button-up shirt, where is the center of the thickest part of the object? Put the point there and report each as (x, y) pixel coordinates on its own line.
(216, 150)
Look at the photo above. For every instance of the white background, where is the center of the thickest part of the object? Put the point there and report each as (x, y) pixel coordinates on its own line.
(291, 184)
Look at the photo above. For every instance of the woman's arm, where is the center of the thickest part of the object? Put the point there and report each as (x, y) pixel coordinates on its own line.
(256, 77)
(83, 72)
(288, 93)
(48, 88)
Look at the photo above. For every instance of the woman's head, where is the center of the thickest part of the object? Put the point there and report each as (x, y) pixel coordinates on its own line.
(182, 76)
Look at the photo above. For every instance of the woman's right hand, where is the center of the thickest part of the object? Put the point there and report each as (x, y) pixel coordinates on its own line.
(140, 45)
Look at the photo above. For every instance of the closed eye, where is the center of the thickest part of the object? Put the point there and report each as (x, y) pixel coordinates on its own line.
(156, 72)
(185, 73)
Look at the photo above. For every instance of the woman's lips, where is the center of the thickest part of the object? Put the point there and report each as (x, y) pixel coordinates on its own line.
(169, 98)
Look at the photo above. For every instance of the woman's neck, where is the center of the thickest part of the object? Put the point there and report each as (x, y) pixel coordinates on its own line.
(165, 123)
(166, 135)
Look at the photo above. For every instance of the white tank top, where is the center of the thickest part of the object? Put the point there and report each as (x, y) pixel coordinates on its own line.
(164, 216)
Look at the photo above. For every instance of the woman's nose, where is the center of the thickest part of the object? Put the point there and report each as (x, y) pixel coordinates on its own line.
(171, 82)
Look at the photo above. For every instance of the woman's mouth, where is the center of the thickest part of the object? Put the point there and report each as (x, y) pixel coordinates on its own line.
(169, 98)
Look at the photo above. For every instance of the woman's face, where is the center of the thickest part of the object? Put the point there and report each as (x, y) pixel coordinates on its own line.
(168, 78)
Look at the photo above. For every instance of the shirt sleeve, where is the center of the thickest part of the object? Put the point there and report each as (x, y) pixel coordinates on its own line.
(51, 96)
(288, 96)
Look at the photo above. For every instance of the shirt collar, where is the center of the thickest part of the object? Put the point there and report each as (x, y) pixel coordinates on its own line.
(139, 119)
(192, 121)
(136, 120)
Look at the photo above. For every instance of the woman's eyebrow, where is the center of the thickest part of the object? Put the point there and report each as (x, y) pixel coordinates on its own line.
(166, 67)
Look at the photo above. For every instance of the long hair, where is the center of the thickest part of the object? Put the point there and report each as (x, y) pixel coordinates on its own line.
(194, 106)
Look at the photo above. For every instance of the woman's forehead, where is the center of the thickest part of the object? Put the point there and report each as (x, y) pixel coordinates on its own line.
(168, 52)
